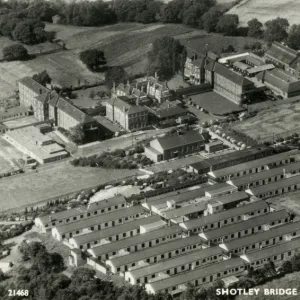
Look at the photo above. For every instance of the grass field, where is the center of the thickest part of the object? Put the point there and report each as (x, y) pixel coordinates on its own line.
(279, 120)
(289, 201)
(125, 44)
(265, 10)
(57, 180)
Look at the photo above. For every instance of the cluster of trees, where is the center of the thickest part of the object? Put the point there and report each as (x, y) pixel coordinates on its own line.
(278, 30)
(76, 134)
(93, 58)
(45, 281)
(167, 57)
(117, 159)
(42, 78)
(14, 52)
(9, 231)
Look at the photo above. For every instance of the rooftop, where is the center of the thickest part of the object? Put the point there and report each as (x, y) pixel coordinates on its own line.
(184, 278)
(274, 250)
(164, 247)
(169, 142)
(33, 85)
(121, 103)
(256, 221)
(112, 231)
(262, 236)
(12, 111)
(177, 261)
(265, 161)
(149, 252)
(223, 215)
(275, 185)
(119, 199)
(282, 53)
(100, 219)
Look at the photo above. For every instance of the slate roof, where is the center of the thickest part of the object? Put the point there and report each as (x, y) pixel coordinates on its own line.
(119, 199)
(169, 112)
(33, 85)
(191, 137)
(232, 76)
(282, 53)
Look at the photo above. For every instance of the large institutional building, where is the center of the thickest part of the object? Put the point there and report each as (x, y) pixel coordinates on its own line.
(49, 106)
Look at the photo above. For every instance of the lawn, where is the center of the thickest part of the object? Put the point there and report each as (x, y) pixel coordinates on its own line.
(265, 10)
(279, 120)
(289, 201)
(60, 179)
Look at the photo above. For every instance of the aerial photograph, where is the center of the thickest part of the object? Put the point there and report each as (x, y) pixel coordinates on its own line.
(149, 150)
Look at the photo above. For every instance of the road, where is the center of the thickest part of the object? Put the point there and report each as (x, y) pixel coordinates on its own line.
(121, 142)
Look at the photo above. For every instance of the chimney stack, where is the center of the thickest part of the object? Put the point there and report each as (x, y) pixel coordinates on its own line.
(156, 76)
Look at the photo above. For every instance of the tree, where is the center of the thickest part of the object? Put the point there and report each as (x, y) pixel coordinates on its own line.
(93, 58)
(92, 94)
(210, 19)
(77, 134)
(255, 28)
(276, 30)
(43, 78)
(167, 57)
(269, 269)
(14, 52)
(293, 40)
(116, 75)
(228, 24)
(286, 267)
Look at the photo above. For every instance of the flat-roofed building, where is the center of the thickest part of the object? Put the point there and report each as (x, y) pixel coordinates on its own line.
(200, 276)
(276, 235)
(121, 264)
(214, 146)
(73, 215)
(226, 217)
(173, 266)
(15, 112)
(112, 234)
(168, 248)
(250, 226)
(253, 167)
(276, 188)
(98, 223)
(33, 143)
(277, 253)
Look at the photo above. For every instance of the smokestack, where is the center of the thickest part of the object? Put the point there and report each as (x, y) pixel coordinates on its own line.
(114, 86)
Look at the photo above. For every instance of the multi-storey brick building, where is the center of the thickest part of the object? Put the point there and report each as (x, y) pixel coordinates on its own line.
(129, 115)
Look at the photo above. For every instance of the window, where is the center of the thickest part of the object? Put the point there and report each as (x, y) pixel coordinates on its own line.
(95, 212)
(109, 209)
(74, 218)
(88, 214)
(102, 211)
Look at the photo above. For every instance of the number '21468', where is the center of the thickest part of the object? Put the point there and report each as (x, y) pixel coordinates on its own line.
(23, 293)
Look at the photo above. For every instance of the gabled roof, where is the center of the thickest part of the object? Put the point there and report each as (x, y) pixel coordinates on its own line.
(177, 261)
(148, 236)
(262, 236)
(196, 274)
(119, 199)
(232, 76)
(250, 223)
(282, 53)
(112, 231)
(224, 215)
(271, 251)
(169, 142)
(33, 85)
(276, 185)
(168, 112)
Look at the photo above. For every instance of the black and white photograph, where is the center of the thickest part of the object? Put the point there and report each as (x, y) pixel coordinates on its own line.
(149, 149)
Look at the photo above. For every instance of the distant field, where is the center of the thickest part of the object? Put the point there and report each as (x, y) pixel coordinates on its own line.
(53, 181)
(265, 10)
(289, 201)
(279, 120)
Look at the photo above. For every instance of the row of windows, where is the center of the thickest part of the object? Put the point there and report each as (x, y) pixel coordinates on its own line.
(290, 188)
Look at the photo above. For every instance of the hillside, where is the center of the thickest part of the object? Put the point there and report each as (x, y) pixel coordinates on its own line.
(265, 10)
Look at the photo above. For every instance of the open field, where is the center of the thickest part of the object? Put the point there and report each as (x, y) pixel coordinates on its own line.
(31, 188)
(265, 10)
(279, 120)
(289, 201)
(9, 156)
